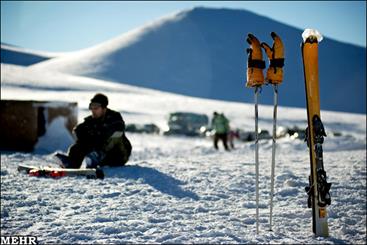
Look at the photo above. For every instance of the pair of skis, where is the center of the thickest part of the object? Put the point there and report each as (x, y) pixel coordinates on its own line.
(57, 172)
(61, 171)
(255, 79)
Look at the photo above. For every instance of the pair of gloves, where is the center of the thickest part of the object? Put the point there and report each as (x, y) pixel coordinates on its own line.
(256, 64)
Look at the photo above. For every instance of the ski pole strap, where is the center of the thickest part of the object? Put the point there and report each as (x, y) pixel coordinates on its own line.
(256, 63)
(277, 63)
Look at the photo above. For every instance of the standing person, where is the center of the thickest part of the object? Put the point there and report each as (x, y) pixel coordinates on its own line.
(220, 124)
(101, 138)
(231, 136)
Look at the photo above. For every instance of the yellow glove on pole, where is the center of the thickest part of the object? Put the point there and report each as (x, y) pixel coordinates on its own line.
(255, 62)
(274, 74)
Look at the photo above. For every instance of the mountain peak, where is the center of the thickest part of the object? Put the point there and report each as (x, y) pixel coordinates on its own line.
(201, 52)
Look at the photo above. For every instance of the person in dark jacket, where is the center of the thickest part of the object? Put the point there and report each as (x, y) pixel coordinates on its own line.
(100, 138)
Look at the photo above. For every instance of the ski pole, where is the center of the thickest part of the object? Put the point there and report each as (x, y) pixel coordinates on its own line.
(273, 154)
(274, 76)
(257, 88)
(255, 79)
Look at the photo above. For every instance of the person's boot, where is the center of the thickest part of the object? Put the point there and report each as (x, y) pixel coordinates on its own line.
(63, 160)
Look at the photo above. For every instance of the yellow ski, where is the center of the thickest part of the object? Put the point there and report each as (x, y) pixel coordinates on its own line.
(318, 190)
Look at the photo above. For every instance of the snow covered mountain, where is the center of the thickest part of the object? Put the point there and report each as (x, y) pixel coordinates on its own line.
(201, 52)
(23, 57)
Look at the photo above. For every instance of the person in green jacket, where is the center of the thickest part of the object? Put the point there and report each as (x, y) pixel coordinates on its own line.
(220, 125)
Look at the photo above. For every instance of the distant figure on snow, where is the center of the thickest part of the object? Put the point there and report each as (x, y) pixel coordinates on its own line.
(231, 136)
(220, 125)
(101, 138)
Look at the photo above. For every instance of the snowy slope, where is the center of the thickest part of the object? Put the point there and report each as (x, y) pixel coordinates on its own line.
(179, 189)
(24, 57)
(201, 52)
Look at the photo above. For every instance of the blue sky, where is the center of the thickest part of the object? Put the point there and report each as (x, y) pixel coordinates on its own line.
(68, 26)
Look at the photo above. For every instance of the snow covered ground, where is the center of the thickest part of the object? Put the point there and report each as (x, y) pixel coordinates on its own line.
(179, 189)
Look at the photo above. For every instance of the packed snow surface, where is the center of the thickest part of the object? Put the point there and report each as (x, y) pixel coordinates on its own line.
(180, 189)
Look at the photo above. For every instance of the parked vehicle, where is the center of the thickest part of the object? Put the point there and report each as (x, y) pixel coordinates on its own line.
(143, 128)
(187, 123)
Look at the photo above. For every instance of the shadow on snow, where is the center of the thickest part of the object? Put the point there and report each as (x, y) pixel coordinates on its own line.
(158, 180)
